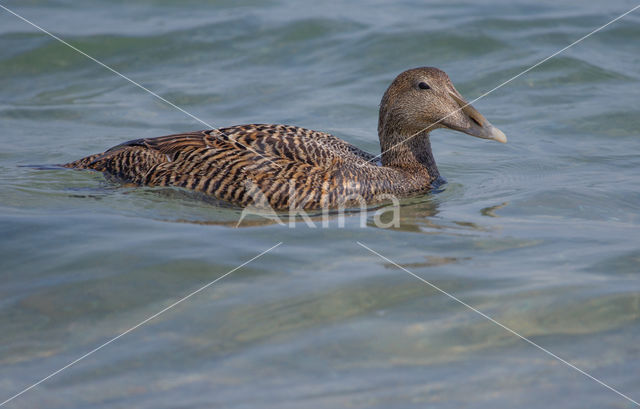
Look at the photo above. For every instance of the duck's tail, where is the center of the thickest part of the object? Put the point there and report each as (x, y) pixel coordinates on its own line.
(88, 162)
(127, 161)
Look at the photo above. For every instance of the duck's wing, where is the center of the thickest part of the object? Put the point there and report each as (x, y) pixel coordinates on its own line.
(296, 144)
(292, 143)
(270, 142)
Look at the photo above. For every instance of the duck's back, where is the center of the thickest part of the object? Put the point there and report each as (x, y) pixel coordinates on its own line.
(283, 166)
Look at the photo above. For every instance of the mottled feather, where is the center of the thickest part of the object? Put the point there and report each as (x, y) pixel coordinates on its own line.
(283, 166)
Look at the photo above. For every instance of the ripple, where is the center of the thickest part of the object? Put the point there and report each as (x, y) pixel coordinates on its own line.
(540, 233)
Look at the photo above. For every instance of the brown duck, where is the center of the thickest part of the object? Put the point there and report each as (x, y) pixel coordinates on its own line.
(291, 167)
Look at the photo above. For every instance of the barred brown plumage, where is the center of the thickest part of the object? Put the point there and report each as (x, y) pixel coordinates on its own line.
(287, 166)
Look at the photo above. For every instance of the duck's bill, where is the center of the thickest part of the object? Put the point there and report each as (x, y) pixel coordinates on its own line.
(488, 131)
(479, 126)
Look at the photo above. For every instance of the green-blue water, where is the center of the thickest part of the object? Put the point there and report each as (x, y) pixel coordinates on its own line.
(543, 233)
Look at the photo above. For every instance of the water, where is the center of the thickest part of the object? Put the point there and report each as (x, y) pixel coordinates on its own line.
(542, 233)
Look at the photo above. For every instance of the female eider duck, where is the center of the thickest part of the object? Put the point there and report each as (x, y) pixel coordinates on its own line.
(290, 167)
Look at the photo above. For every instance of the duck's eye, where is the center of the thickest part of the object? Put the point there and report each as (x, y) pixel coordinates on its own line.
(424, 85)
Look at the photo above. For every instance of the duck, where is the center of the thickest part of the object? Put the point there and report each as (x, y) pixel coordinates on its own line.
(285, 167)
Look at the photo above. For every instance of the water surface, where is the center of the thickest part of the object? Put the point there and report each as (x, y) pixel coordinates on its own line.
(543, 233)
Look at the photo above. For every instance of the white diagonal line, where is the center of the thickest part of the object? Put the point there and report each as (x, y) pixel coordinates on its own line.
(118, 73)
(138, 325)
(499, 324)
(509, 80)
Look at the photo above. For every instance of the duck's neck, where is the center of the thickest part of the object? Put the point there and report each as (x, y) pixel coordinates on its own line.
(412, 154)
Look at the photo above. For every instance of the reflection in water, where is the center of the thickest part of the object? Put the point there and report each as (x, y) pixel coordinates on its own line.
(431, 261)
(414, 215)
(409, 211)
(490, 211)
(419, 216)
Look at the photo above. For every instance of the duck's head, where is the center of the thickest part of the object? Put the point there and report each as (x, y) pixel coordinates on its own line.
(423, 99)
